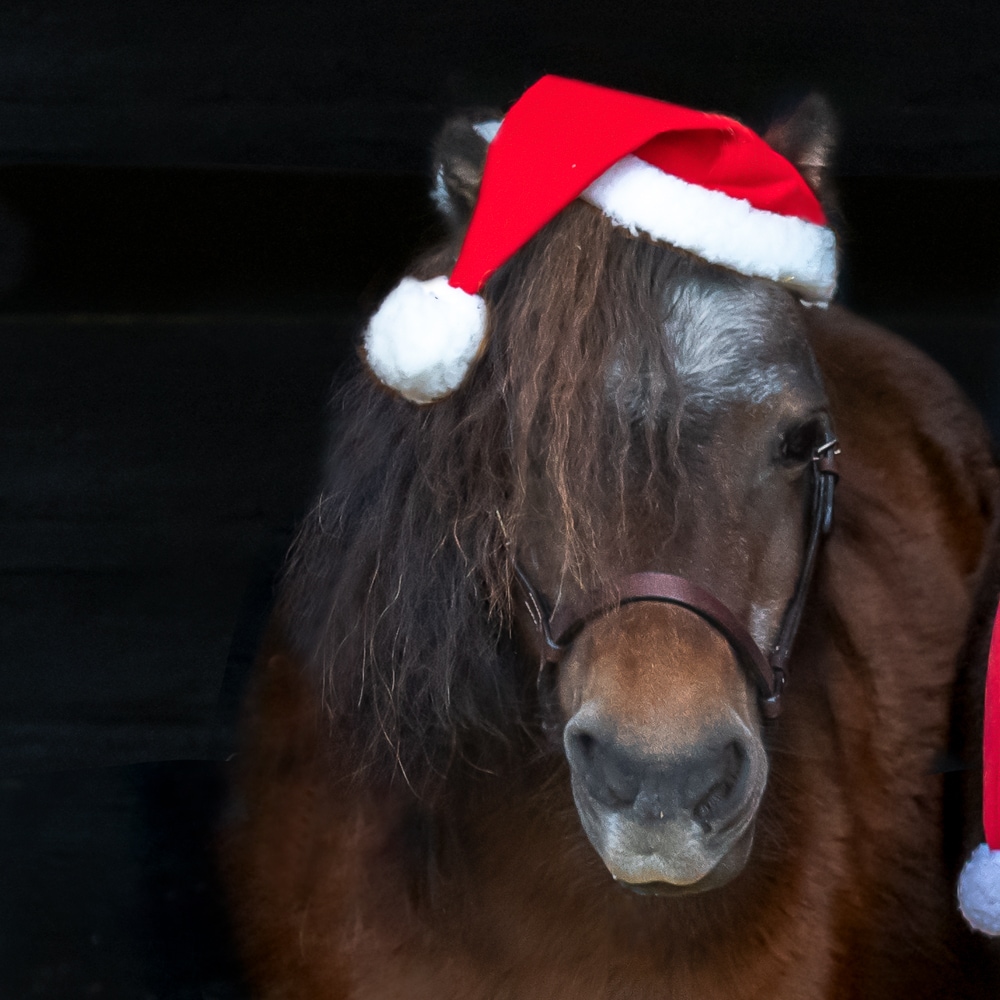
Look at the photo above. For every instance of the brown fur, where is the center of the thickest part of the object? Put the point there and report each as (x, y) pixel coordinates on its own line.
(492, 890)
(404, 828)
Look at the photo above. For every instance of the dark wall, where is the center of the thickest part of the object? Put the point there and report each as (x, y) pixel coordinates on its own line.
(362, 85)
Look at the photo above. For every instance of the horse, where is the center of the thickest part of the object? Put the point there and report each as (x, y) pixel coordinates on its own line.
(440, 795)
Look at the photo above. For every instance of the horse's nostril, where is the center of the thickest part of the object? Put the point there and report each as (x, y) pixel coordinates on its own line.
(726, 778)
(710, 785)
(611, 777)
(587, 745)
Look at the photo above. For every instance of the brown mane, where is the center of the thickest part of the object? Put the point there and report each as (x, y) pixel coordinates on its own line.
(399, 578)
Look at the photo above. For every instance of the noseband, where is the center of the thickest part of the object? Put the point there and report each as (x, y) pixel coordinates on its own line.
(556, 632)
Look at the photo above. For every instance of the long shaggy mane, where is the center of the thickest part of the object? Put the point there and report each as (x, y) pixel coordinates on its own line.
(397, 592)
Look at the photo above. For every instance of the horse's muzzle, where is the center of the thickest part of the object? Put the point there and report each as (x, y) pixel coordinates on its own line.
(672, 819)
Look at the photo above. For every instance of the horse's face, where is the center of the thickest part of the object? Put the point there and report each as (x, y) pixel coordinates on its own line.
(661, 726)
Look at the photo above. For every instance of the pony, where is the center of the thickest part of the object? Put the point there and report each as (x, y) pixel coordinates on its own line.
(430, 802)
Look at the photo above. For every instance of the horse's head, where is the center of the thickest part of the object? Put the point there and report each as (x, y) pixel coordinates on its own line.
(664, 415)
(662, 726)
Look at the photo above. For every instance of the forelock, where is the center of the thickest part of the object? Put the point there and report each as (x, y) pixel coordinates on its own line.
(722, 335)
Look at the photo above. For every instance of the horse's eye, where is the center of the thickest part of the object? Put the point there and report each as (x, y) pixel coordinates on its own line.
(799, 441)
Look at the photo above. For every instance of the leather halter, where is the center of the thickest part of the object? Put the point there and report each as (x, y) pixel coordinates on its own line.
(556, 632)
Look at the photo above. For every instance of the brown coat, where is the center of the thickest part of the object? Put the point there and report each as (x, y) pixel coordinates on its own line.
(485, 885)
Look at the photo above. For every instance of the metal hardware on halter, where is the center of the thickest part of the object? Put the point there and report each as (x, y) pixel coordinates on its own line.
(823, 460)
(556, 632)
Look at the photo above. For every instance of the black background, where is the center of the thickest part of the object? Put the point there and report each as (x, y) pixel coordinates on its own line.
(198, 202)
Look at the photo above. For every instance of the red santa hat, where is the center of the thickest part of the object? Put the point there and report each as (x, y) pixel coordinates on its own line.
(979, 883)
(698, 181)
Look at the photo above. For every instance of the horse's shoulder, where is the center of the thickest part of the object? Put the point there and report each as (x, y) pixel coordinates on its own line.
(917, 503)
(890, 380)
(903, 421)
(905, 574)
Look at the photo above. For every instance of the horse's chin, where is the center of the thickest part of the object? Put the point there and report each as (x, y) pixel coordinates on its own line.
(728, 867)
(669, 858)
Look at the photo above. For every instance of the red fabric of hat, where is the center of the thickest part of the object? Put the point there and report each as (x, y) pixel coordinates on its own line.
(991, 745)
(979, 882)
(563, 134)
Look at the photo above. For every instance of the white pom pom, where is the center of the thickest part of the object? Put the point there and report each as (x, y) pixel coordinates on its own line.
(424, 337)
(979, 890)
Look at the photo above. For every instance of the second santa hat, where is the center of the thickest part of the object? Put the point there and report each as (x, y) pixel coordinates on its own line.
(701, 182)
(979, 882)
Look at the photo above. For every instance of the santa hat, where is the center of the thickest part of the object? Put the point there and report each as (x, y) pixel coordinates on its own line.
(979, 883)
(700, 182)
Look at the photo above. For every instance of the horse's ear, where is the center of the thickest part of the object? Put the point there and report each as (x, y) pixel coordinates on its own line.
(459, 156)
(808, 138)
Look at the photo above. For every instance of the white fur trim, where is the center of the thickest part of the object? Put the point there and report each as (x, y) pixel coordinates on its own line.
(424, 337)
(724, 230)
(979, 890)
